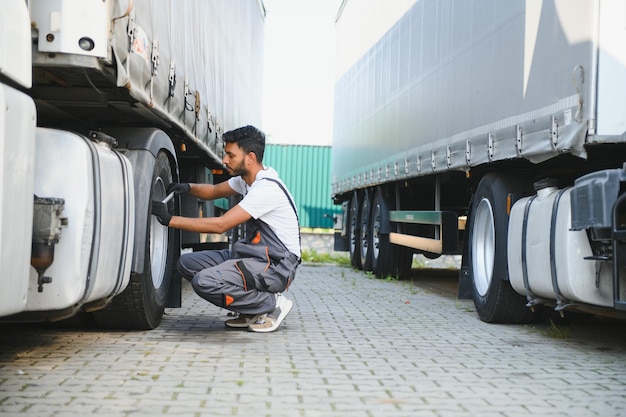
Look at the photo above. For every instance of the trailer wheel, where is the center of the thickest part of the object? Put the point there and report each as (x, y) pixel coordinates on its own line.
(141, 305)
(387, 259)
(494, 298)
(353, 232)
(365, 232)
(381, 248)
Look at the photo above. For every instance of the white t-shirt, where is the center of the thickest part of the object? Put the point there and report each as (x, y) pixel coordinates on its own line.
(266, 201)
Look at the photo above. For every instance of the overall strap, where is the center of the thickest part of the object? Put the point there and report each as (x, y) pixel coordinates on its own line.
(282, 187)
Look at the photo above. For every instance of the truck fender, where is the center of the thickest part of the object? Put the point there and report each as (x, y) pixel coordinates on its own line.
(141, 147)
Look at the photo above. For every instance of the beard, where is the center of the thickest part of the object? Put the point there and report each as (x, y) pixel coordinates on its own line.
(239, 170)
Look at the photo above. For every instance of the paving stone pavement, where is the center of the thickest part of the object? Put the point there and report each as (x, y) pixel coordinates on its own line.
(352, 346)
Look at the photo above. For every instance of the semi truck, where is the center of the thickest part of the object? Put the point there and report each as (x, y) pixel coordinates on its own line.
(103, 104)
(494, 130)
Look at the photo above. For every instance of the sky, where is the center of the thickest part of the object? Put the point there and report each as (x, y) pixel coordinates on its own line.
(299, 71)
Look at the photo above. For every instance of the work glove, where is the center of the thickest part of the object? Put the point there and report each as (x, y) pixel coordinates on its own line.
(160, 211)
(178, 188)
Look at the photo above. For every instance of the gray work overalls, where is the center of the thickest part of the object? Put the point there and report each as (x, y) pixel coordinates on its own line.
(246, 278)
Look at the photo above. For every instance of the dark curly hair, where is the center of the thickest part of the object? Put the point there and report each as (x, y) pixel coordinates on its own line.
(248, 138)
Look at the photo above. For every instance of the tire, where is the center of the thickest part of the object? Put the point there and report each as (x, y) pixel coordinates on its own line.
(141, 305)
(494, 298)
(403, 261)
(353, 232)
(388, 260)
(365, 233)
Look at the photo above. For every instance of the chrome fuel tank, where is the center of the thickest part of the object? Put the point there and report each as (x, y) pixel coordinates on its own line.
(92, 257)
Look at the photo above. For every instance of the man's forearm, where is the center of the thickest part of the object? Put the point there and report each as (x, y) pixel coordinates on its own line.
(202, 191)
(200, 225)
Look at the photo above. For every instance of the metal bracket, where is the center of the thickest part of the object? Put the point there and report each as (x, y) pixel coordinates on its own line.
(187, 93)
(172, 78)
(518, 140)
(130, 30)
(155, 57)
(197, 107)
(209, 121)
(554, 133)
(490, 146)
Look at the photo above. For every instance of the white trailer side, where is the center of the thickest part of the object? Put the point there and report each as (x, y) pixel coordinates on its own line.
(456, 92)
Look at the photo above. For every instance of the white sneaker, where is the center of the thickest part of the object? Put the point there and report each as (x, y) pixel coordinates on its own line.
(271, 321)
(243, 320)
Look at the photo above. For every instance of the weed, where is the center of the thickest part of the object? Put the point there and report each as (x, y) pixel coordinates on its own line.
(311, 255)
(418, 263)
(557, 332)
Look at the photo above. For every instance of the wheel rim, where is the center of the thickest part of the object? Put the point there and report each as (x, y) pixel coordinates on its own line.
(364, 228)
(353, 224)
(376, 232)
(158, 239)
(483, 247)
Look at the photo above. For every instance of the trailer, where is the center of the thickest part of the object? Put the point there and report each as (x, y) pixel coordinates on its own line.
(104, 103)
(488, 129)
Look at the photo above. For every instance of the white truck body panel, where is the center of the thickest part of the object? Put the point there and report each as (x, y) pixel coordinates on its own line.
(612, 69)
(15, 56)
(17, 166)
(61, 23)
(457, 84)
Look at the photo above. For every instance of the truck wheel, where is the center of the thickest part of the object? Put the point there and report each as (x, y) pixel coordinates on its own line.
(365, 241)
(353, 232)
(494, 298)
(381, 248)
(141, 305)
(387, 259)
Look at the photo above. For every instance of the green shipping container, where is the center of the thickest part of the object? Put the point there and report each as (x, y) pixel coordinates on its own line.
(305, 169)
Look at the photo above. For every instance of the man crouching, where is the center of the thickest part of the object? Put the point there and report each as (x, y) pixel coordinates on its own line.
(250, 278)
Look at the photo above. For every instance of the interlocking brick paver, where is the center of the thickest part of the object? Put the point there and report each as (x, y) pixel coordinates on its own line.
(353, 346)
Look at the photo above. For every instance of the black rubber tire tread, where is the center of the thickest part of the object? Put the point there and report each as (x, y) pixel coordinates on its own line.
(353, 232)
(365, 231)
(501, 304)
(392, 260)
(141, 306)
(403, 261)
